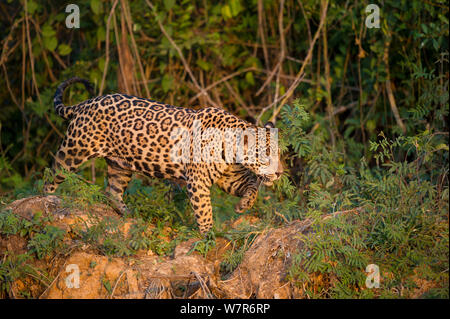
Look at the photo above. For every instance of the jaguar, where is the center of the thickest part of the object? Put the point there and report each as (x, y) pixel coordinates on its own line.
(135, 135)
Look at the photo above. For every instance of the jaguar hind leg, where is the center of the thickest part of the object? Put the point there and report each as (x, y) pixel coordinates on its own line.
(69, 159)
(118, 179)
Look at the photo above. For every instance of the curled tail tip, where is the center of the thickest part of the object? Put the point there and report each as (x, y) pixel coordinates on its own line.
(60, 108)
(72, 80)
(89, 86)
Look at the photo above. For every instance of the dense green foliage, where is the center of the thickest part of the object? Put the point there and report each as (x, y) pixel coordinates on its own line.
(368, 129)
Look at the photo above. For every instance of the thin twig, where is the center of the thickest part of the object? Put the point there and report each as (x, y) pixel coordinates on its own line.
(389, 85)
(269, 78)
(108, 26)
(119, 52)
(330, 108)
(356, 210)
(180, 54)
(115, 285)
(5, 51)
(129, 22)
(236, 96)
(282, 50)
(224, 79)
(261, 32)
(13, 97)
(300, 74)
(30, 52)
(203, 285)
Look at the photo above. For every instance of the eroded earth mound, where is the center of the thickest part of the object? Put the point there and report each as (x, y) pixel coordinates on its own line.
(83, 272)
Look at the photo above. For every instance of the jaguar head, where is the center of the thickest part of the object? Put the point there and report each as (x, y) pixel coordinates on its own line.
(265, 162)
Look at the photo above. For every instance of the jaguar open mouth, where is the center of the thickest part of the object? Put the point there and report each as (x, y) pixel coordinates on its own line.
(268, 180)
(268, 183)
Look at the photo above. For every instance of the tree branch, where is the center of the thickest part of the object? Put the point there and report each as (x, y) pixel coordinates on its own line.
(180, 54)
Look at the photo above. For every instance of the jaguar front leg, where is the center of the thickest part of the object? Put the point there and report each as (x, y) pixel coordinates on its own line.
(241, 182)
(199, 196)
(247, 200)
(118, 179)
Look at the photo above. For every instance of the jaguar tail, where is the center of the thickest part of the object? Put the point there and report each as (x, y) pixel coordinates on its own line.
(62, 110)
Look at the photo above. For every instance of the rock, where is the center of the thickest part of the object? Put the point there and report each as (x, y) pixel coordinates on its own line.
(184, 247)
(262, 272)
(99, 277)
(28, 207)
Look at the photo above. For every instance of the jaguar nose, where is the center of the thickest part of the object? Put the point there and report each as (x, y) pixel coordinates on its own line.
(279, 170)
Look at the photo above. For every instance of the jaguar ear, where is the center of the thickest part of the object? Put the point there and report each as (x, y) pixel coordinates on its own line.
(269, 125)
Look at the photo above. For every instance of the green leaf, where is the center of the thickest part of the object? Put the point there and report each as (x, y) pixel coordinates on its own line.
(50, 43)
(435, 44)
(96, 6)
(168, 4)
(226, 12)
(31, 6)
(101, 63)
(136, 27)
(101, 34)
(64, 49)
(95, 75)
(204, 65)
(249, 78)
(442, 147)
(166, 83)
(107, 285)
(235, 6)
(47, 31)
